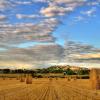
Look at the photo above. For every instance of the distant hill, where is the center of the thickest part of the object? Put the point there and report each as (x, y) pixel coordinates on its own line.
(65, 67)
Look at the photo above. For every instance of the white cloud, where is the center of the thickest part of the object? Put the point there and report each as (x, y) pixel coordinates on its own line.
(79, 18)
(23, 2)
(55, 8)
(25, 32)
(22, 16)
(90, 12)
(42, 1)
(5, 5)
(3, 17)
(40, 31)
(68, 1)
(34, 55)
(74, 51)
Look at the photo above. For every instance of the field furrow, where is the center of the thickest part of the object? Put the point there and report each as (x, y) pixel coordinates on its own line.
(47, 89)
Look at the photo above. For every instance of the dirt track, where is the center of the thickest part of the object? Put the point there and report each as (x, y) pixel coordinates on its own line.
(45, 89)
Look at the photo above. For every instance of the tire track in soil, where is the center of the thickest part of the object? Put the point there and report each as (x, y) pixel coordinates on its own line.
(49, 93)
(36, 92)
(44, 93)
(54, 91)
(56, 95)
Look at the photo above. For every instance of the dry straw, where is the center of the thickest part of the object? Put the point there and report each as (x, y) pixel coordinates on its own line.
(22, 79)
(95, 78)
(17, 78)
(75, 77)
(28, 79)
(69, 78)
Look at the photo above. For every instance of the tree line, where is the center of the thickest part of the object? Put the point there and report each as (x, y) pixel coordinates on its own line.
(55, 70)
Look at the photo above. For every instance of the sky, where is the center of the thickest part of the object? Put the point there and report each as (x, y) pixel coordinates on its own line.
(41, 33)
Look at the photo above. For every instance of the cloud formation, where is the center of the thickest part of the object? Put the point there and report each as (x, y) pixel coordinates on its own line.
(24, 32)
(2, 17)
(21, 16)
(78, 52)
(37, 26)
(55, 7)
(47, 54)
(33, 55)
(90, 12)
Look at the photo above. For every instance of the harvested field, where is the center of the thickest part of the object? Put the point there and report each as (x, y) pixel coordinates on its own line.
(48, 89)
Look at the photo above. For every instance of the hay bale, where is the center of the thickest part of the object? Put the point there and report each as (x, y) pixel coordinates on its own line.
(29, 80)
(4, 78)
(56, 78)
(22, 79)
(68, 79)
(74, 78)
(10, 78)
(95, 79)
(50, 79)
(17, 78)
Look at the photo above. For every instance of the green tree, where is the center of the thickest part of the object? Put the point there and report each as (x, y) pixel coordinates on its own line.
(70, 72)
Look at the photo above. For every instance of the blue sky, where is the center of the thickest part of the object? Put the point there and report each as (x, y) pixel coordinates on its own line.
(84, 30)
(33, 26)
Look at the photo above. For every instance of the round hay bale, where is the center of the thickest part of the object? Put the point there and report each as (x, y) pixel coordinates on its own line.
(56, 78)
(17, 78)
(28, 80)
(4, 78)
(68, 79)
(22, 79)
(94, 79)
(50, 79)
